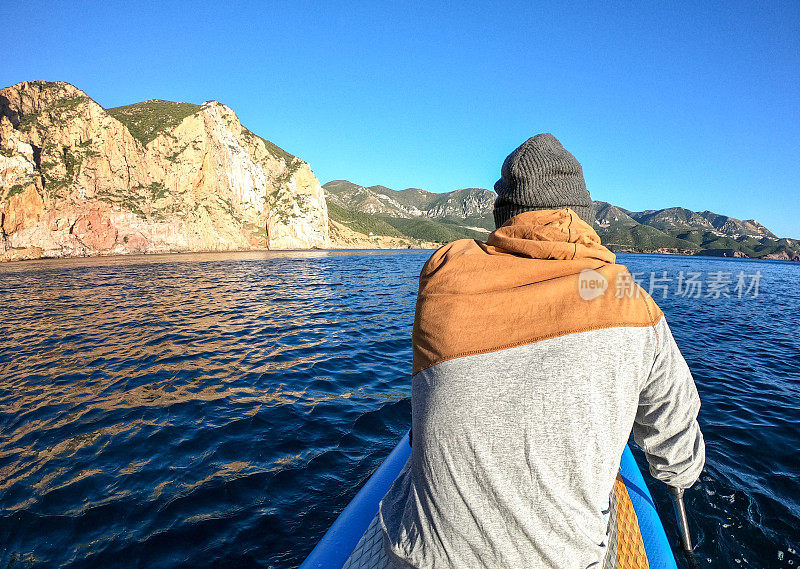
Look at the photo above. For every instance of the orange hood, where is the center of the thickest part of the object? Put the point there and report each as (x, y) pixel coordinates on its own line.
(519, 287)
(549, 234)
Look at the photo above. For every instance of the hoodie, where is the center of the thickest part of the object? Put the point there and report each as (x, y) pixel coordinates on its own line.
(534, 356)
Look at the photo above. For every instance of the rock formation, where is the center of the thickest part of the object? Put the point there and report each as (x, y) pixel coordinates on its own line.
(75, 180)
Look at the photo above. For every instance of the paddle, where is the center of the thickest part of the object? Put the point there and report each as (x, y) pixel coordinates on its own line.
(683, 526)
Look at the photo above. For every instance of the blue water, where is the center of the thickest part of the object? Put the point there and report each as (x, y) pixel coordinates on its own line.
(220, 410)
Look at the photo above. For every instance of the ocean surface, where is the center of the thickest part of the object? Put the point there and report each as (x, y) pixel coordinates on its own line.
(219, 410)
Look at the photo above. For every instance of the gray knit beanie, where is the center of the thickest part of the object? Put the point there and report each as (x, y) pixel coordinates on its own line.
(541, 174)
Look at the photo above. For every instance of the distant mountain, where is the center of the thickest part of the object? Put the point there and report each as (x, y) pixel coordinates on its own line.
(677, 218)
(607, 214)
(679, 230)
(467, 213)
(413, 213)
(467, 207)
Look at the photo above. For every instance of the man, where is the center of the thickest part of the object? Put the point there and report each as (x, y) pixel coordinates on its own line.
(526, 385)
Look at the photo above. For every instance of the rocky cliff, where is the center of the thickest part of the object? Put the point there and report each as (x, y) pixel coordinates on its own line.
(77, 179)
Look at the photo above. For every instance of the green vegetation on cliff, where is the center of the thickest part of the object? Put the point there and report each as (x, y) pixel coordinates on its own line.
(15, 189)
(147, 120)
(292, 161)
(414, 228)
(641, 237)
(60, 110)
(361, 222)
(429, 230)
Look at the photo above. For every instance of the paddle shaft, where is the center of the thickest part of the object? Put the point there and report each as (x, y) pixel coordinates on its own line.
(680, 515)
(683, 526)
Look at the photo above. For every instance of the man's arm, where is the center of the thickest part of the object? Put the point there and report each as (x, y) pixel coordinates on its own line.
(666, 421)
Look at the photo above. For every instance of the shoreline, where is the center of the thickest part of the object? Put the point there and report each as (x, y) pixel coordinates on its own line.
(245, 254)
(344, 248)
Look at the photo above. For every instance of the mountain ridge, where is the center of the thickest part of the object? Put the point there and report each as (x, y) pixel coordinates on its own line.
(668, 230)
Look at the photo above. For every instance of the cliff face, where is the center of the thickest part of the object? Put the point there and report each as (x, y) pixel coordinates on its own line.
(74, 180)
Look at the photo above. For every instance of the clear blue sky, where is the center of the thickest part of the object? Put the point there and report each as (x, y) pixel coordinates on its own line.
(687, 104)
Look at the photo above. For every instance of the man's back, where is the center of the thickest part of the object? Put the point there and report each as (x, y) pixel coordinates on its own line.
(524, 394)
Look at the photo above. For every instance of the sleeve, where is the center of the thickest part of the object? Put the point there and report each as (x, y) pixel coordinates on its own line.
(666, 420)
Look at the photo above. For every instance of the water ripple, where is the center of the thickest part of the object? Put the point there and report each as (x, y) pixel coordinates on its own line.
(221, 409)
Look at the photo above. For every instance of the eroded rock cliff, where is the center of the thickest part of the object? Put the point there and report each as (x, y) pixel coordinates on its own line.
(75, 180)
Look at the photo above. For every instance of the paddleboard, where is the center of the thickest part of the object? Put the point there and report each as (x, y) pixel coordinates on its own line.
(354, 541)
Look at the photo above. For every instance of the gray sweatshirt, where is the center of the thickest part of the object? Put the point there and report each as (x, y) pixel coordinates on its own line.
(524, 394)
